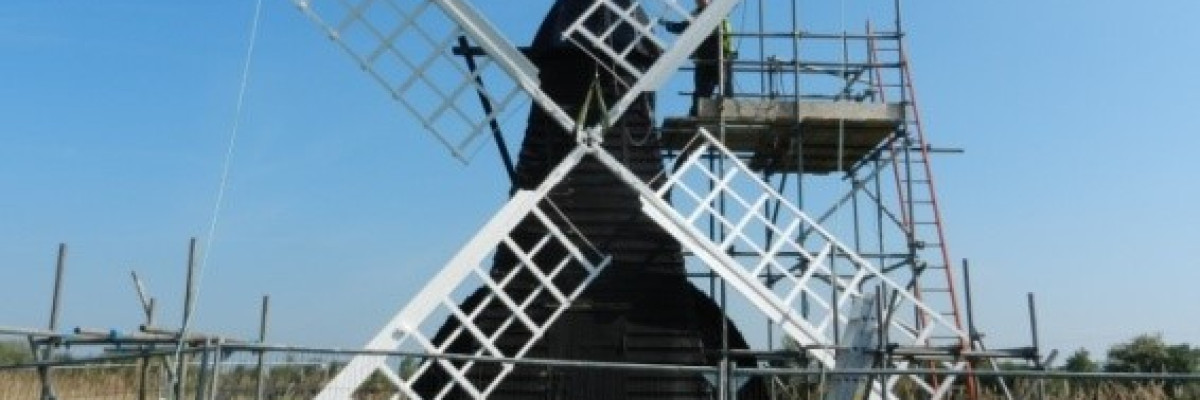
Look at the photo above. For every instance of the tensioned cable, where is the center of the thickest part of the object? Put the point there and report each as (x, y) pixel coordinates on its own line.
(224, 183)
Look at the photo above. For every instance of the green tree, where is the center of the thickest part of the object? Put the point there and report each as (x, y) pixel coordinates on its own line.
(1148, 353)
(1081, 361)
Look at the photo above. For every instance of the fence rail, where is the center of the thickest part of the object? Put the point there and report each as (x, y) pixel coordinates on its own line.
(234, 372)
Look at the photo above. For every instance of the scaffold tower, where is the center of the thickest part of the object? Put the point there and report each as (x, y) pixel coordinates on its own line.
(801, 196)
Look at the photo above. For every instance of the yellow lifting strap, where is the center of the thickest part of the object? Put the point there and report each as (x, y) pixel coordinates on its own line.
(594, 91)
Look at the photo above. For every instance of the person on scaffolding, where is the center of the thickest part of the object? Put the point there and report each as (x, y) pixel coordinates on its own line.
(715, 52)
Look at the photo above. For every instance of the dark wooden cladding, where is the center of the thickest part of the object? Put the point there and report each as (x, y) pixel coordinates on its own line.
(642, 308)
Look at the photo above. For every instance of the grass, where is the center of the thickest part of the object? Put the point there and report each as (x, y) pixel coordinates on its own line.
(109, 382)
(1061, 389)
(74, 383)
(123, 382)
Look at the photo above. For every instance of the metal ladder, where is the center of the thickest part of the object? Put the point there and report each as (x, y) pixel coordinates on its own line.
(917, 194)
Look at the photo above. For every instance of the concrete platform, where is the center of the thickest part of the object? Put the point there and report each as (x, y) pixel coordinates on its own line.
(766, 131)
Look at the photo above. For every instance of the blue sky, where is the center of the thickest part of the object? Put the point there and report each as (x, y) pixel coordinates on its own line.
(1077, 182)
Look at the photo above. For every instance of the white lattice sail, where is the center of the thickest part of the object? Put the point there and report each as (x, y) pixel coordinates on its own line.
(611, 30)
(417, 51)
(467, 292)
(794, 271)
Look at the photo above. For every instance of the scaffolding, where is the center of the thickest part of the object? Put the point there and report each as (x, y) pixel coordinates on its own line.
(832, 119)
(165, 362)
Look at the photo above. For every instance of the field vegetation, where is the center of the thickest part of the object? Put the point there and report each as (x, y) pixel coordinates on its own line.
(287, 381)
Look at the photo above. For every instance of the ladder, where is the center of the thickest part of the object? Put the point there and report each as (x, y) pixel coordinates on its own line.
(934, 281)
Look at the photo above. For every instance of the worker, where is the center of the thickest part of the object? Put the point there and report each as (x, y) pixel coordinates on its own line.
(715, 52)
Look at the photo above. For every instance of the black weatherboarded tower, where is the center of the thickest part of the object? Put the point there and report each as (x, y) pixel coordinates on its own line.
(642, 308)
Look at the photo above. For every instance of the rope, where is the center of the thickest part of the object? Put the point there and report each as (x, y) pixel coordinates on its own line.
(628, 136)
(237, 124)
(224, 183)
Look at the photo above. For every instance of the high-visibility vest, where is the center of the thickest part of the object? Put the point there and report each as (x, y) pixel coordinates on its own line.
(727, 38)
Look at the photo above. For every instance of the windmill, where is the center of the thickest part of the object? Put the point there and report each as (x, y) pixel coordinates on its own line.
(586, 261)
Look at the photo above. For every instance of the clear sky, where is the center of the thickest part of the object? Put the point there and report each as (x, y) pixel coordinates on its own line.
(1078, 181)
